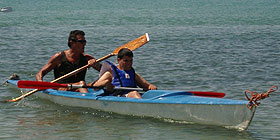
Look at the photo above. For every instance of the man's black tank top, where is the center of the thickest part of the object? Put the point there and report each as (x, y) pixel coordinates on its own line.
(67, 67)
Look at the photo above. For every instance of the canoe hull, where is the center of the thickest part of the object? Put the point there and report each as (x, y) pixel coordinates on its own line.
(174, 105)
(230, 116)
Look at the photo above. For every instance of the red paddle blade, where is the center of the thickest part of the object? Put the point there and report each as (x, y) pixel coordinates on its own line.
(39, 85)
(208, 94)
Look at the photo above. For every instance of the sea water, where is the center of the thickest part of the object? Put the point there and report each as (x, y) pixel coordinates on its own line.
(206, 45)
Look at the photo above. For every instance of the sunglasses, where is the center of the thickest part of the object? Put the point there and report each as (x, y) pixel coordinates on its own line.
(80, 41)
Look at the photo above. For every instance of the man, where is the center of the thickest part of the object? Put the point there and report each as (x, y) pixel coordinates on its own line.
(70, 60)
(123, 75)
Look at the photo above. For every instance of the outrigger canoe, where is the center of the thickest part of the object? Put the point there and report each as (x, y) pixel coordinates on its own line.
(169, 104)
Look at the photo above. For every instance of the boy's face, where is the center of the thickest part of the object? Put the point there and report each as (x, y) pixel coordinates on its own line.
(125, 63)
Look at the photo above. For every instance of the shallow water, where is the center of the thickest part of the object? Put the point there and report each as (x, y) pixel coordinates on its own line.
(222, 46)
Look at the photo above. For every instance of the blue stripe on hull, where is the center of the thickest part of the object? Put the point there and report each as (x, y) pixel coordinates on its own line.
(152, 96)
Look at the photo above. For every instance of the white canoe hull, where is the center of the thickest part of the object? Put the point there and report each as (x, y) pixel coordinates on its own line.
(167, 104)
(230, 116)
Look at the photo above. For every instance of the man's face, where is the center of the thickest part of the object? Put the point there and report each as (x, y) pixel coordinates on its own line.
(125, 63)
(78, 45)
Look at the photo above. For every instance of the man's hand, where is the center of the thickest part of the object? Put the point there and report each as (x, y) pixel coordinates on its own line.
(92, 63)
(152, 87)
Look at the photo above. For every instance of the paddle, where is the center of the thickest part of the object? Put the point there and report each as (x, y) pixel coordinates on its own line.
(132, 45)
(49, 85)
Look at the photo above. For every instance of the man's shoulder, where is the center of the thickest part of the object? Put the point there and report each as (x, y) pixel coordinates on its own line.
(88, 56)
(85, 54)
(57, 56)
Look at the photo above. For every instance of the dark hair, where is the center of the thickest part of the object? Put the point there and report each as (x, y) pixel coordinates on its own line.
(73, 35)
(125, 52)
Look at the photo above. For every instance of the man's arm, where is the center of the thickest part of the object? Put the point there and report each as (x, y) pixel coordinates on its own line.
(141, 82)
(54, 61)
(92, 62)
